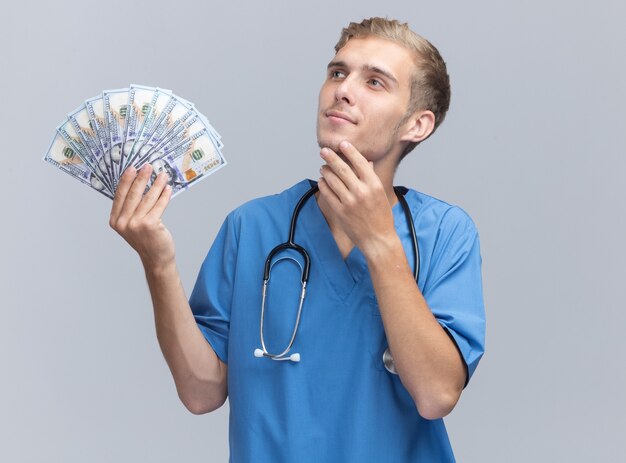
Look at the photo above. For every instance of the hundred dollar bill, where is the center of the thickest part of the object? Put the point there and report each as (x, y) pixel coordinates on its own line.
(180, 132)
(130, 126)
(62, 156)
(133, 126)
(188, 125)
(215, 134)
(177, 128)
(149, 104)
(97, 120)
(79, 118)
(153, 125)
(66, 130)
(115, 107)
(139, 99)
(195, 162)
(206, 122)
(155, 117)
(173, 116)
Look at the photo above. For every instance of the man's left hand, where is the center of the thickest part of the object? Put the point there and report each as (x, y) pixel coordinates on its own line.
(357, 197)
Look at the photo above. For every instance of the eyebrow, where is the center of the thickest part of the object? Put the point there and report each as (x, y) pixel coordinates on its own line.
(366, 67)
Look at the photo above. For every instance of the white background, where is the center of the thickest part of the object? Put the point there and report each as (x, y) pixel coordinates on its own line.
(532, 149)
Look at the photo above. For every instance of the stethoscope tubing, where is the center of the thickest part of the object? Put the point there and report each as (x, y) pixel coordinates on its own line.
(305, 270)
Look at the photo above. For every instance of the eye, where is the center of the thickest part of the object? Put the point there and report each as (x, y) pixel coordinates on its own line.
(375, 83)
(336, 74)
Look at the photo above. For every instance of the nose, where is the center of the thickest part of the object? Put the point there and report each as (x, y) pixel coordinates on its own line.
(344, 92)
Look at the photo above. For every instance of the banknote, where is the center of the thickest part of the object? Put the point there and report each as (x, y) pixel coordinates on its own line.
(81, 123)
(170, 121)
(72, 138)
(139, 99)
(206, 122)
(97, 120)
(192, 162)
(181, 131)
(149, 103)
(161, 103)
(62, 156)
(115, 107)
(131, 127)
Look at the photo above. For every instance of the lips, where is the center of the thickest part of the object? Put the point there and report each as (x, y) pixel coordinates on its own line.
(340, 115)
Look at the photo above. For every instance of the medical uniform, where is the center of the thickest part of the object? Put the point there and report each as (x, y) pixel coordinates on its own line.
(339, 403)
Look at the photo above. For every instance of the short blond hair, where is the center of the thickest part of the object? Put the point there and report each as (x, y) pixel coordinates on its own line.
(430, 84)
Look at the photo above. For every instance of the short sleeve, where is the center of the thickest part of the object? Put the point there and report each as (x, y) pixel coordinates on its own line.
(212, 294)
(453, 289)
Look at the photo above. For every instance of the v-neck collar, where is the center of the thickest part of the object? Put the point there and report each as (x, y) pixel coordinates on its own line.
(343, 275)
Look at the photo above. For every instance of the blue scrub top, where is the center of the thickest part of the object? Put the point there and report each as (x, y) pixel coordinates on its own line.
(338, 403)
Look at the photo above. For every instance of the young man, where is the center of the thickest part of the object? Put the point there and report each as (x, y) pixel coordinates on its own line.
(386, 90)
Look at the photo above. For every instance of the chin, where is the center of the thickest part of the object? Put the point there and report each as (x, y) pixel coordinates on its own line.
(326, 140)
(332, 144)
(329, 137)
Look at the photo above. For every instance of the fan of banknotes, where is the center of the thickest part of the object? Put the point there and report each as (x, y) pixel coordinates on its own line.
(131, 127)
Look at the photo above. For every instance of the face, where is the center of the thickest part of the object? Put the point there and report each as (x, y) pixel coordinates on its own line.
(365, 96)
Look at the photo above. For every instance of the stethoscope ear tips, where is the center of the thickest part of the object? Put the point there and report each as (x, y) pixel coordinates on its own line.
(258, 353)
(294, 357)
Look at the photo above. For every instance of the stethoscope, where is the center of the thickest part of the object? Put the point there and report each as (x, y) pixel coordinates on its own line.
(305, 269)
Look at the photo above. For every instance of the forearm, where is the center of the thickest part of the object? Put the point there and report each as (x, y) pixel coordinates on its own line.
(427, 361)
(199, 375)
(356, 201)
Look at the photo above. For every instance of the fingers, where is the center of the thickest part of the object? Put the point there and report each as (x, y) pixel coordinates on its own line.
(356, 169)
(338, 167)
(328, 194)
(159, 206)
(360, 164)
(134, 194)
(348, 180)
(136, 216)
(120, 194)
(334, 182)
(151, 197)
(130, 201)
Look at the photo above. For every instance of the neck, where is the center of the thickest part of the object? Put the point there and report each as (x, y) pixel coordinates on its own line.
(344, 243)
(386, 170)
(388, 186)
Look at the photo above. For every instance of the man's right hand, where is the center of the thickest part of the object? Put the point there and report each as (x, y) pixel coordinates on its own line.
(199, 374)
(137, 217)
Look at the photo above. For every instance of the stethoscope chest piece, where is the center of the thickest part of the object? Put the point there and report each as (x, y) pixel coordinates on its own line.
(390, 365)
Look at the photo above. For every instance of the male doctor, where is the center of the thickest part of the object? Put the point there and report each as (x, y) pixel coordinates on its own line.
(386, 90)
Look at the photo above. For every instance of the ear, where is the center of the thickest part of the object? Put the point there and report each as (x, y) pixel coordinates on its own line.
(419, 126)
